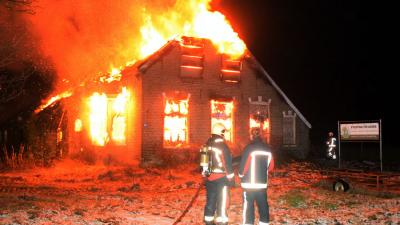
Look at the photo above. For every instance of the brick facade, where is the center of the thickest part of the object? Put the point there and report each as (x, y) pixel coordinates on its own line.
(163, 77)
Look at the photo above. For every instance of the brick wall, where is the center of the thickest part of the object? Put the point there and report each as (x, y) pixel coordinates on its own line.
(164, 77)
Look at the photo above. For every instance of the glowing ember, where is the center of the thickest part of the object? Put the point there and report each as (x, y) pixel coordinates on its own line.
(222, 113)
(52, 100)
(198, 22)
(175, 123)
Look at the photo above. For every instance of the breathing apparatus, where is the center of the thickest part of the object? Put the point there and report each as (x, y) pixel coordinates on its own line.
(205, 160)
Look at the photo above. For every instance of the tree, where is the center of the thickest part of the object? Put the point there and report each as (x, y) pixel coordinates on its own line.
(25, 76)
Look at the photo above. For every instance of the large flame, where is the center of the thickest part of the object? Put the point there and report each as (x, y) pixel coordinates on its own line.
(98, 118)
(108, 117)
(83, 38)
(118, 133)
(191, 18)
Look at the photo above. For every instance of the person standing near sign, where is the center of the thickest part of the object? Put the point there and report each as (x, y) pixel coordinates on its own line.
(331, 146)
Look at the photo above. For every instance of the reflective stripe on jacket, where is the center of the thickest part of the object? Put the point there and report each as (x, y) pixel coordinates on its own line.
(221, 159)
(256, 161)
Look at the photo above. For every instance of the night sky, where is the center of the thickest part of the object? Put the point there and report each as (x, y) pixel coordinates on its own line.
(327, 56)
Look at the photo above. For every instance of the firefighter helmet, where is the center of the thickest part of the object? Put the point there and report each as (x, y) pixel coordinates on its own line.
(218, 129)
(255, 132)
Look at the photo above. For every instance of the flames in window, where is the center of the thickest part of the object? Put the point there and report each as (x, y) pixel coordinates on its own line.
(78, 125)
(107, 118)
(176, 122)
(118, 131)
(261, 120)
(222, 113)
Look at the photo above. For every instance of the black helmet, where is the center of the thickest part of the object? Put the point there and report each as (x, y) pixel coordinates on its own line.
(255, 132)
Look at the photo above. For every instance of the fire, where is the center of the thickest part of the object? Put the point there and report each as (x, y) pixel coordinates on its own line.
(98, 118)
(256, 123)
(263, 125)
(78, 125)
(82, 38)
(176, 122)
(53, 99)
(108, 118)
(196, 20)
(113, 75)
(221, 113)
(118, 134)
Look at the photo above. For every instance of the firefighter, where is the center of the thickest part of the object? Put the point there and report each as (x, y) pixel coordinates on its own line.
(219, 176)
(255, 164)
(331, 146)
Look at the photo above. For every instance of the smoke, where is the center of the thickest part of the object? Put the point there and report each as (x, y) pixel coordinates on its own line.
(87, 38)
(15, 40)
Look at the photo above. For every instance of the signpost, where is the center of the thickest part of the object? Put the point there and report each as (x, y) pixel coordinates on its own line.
(360, 131)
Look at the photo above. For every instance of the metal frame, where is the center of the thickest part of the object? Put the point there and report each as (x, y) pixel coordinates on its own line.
(361, 121)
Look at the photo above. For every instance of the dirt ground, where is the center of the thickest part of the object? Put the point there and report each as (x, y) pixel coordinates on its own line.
(74, 193)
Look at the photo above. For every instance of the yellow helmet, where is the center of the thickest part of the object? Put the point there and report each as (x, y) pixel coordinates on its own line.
(218, 129)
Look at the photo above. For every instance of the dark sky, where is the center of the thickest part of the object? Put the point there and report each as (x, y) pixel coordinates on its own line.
(327, 56)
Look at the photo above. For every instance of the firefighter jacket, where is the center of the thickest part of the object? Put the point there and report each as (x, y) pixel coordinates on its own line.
(331, 142)
(254, 166)
(220, 163)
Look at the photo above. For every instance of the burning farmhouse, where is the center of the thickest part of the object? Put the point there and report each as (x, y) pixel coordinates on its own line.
(165, 106)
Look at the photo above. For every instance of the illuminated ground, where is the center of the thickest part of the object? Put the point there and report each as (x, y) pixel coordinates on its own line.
(73, 193)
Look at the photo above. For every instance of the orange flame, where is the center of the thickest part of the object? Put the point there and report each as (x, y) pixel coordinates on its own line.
(256, 123)
(118, 133)
(52, 100)
(264, 125)
(221, 113)
(82, 38)
(98, 118)
(104, 112)
(176, 122)
(78, 125)
(113, 75)
(196, 20)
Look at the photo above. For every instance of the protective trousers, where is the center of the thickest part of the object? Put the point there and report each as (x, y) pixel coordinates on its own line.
(331, 153)
(217, 201)
(259, 196)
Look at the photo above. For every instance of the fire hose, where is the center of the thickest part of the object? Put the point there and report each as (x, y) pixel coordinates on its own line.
(190, 203)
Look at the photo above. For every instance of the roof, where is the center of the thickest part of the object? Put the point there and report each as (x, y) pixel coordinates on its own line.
(150, 60)
(273, 83)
